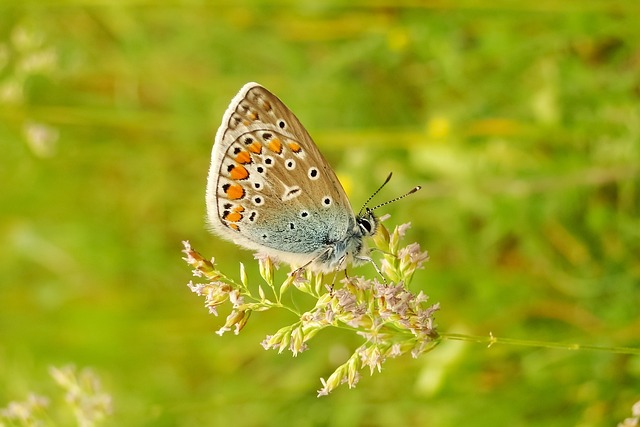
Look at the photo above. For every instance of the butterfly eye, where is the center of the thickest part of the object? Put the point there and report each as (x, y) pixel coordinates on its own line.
(290, 164)
(368, 224)
(304, 214)
(253, 216)
(281, 124)
(260, 169)
(258, 201)
(313, 173)
(365, 225)
(268, 160)
(326, 201)
(257, 185)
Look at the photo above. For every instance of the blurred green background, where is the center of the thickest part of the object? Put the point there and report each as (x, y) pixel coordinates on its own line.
(520, 119)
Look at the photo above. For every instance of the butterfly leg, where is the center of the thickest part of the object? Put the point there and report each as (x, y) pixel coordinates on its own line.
(365, 259)
(333, 283)
(322, 254)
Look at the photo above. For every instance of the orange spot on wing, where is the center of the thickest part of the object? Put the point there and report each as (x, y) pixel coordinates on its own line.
(233, 217)
(275, 145)
(255, 147)
(234, 226)
(243, 158)
(238, 208)
(295, 147)
(234, 191)
(239, 172)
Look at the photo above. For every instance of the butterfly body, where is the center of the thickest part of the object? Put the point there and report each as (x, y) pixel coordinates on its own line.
(270, 189)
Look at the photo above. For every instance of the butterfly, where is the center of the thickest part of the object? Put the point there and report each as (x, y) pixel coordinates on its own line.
(270, 190)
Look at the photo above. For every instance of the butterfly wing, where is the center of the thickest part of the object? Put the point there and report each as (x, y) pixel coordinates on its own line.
(269, 188)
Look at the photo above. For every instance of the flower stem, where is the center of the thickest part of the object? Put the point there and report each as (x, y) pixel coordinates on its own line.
(491, 340)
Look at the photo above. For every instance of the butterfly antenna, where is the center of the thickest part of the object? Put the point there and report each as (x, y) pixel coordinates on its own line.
(413, 190)
(376, 192)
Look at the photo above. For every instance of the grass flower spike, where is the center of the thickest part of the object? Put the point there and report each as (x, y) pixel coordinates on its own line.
(83, 402)
(390, 318)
